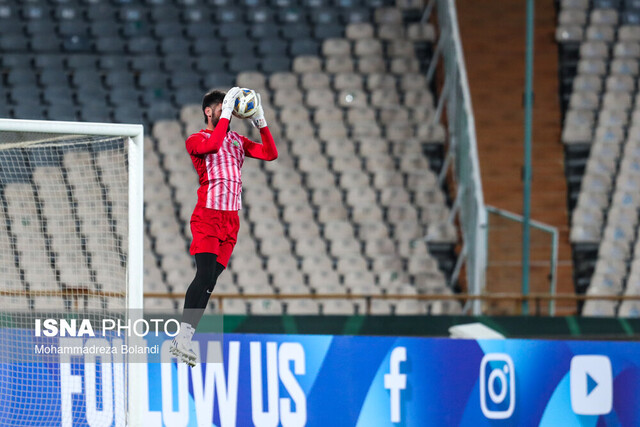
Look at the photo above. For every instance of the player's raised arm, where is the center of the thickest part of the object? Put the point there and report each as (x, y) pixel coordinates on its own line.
(267, 150)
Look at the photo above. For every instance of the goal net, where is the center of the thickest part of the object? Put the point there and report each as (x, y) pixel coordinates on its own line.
(70, 251)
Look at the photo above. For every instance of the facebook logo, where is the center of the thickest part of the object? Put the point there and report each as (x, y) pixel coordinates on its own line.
(394, 381)
(591, 384)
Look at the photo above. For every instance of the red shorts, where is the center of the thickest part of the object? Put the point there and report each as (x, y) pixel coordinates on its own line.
(214, 232)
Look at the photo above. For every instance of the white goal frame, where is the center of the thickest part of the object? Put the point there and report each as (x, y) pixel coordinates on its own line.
(135, 258)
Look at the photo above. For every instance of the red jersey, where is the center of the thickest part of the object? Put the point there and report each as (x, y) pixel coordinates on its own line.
(217, 156)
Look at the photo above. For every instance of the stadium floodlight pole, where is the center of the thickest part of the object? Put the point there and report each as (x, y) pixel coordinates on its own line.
(134, 287)
(528, 112)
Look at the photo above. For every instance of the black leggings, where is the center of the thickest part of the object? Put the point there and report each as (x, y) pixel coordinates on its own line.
(199, 291)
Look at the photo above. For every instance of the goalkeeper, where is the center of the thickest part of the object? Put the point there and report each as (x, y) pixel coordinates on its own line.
(217, 154)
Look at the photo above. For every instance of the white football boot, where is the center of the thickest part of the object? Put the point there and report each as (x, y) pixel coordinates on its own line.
(182, 347)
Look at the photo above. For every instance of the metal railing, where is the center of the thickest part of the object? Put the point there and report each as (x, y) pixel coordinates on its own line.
(507, 226)
(538, 299)
(461, 159)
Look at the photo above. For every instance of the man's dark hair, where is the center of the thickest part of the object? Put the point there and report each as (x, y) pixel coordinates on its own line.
(210, 99)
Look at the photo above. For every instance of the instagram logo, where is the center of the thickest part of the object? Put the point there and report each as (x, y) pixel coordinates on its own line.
(497, 386)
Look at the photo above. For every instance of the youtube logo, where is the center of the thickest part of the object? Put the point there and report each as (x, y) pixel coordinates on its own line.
(591, 383)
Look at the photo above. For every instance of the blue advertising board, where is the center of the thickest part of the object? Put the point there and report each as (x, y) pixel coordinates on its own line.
(296, 380)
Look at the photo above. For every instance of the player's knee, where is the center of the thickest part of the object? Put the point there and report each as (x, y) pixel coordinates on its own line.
(202, 280)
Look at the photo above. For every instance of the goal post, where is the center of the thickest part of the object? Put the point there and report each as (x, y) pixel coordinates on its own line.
(71, 236)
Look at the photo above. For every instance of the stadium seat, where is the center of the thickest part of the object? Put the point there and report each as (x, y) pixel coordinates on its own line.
(283, 80)
(160, 305)
(300, 230)
(409, 307)
(275, 245)
(599, 308)
(389, 280)
(361, 283)
(351, 263)
(629, 309)
(440, 307)
(337, 307)
(356, 14)
(305, 306)
(324, 281)
(139, 63)
(16, 302)
(53, 304)
(366, 213)
(325, 31)
(265, 307)
(380, 307)
(315, 80)
(307, 64)
(344, 246)
(288, 279)
(234, 306)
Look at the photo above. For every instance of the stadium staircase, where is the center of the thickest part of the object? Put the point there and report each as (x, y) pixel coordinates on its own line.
(496, 79)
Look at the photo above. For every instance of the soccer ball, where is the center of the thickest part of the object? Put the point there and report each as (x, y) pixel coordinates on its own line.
(246, 104)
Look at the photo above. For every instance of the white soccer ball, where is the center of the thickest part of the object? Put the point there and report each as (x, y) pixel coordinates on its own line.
(246, 104)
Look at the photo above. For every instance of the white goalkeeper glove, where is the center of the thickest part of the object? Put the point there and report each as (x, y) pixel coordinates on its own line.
(229, 102)
(258, 120)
